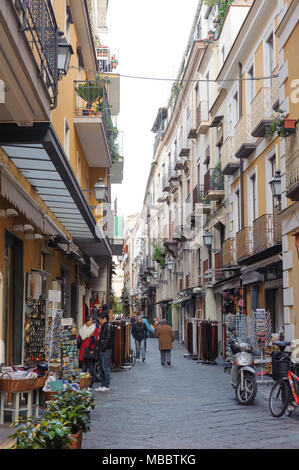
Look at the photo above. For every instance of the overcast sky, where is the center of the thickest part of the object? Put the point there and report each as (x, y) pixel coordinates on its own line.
(151, 36)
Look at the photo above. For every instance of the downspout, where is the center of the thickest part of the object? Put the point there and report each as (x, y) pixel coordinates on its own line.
(241, 159)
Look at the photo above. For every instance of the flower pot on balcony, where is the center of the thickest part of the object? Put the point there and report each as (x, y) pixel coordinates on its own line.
(289, 125)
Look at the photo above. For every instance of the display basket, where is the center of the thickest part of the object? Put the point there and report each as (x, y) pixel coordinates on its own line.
(85, 382)
(280, 368)
(7, 384)
(40, 381)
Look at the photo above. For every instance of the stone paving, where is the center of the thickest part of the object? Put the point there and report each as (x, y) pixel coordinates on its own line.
(186, 406)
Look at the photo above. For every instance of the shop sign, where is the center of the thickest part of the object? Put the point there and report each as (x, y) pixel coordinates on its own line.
(66, 321)
(54, 296)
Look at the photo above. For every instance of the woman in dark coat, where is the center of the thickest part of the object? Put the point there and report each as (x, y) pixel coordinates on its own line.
(139, 333)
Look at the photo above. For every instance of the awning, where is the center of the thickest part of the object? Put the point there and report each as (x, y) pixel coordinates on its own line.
(37, 153)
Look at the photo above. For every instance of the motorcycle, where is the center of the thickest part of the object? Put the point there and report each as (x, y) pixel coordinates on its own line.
(242, 370)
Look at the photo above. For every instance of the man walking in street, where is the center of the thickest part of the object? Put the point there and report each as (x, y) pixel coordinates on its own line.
(166, 338)
(105, 351)
(139, 332)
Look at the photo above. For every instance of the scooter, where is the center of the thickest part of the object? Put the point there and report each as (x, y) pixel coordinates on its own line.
(242, 371)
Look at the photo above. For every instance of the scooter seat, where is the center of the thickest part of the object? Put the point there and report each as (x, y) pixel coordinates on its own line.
(282, 344)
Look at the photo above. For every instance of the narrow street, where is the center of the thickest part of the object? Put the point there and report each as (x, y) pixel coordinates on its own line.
(186, 406)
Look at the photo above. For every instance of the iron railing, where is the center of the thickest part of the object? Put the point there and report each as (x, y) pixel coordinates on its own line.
(229, 252)
(202, 113)
(213, 180)
(199, 195)
(40, 27)
(262, 232)
(244, 240)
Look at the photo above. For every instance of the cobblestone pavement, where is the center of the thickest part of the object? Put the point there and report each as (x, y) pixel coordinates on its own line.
(189, 405)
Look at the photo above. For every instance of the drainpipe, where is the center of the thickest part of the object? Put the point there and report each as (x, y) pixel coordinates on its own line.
(241, 159)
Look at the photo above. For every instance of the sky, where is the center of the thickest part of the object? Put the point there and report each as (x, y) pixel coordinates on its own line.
(151, 36)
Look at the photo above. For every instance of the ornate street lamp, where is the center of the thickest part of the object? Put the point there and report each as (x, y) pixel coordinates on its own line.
(170, 264)
(275, 185)
(100, 190)
(65, 51)
(207, 238)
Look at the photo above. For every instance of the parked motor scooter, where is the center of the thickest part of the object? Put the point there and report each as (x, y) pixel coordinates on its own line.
(242, 370)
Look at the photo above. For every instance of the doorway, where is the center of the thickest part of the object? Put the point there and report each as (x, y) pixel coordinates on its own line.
(13, 298)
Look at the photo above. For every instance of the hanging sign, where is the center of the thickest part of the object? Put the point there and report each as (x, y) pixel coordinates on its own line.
(54, 295)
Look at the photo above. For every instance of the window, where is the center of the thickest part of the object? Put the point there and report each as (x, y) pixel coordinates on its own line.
(238, 224)
(253, 196)
(66, 138)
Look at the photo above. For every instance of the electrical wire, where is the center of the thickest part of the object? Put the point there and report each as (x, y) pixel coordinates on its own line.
(268, 77)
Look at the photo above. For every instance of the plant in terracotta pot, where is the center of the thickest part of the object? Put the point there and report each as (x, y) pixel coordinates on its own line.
(73, 409)
(90, 92)
(41, 434)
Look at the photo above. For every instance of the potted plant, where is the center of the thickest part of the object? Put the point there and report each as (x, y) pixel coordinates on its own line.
(41, 434)
(90, 92)
(281, 126)
(73, 409)
(159, 255)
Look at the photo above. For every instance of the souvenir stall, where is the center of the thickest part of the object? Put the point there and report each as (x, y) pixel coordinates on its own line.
(202, 340)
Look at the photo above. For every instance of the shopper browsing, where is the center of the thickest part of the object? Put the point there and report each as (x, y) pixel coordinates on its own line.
(88, 340)
(105, 351)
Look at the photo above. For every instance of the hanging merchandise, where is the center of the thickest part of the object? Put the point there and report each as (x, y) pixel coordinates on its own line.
(260, 330)
(53, 336)
(69, 352)
(35, 324)
(202, 340)
(237, 323)
(121, 351)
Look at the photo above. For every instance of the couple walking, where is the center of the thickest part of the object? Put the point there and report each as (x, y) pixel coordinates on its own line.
(165, 335)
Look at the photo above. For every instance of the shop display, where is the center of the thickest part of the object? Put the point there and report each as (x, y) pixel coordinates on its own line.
(202, 339)
(35, 324)
(237, 323)
(69, 353)
(53, 336)
(121, 352)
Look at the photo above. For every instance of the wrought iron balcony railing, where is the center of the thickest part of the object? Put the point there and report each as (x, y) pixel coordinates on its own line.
(202, 117)
(229, 252)
(263, 232)
(40, 27)
(245, 144)
(244, 241)
(262, 111)
(213, 182)
(229, 163)
(292, 166)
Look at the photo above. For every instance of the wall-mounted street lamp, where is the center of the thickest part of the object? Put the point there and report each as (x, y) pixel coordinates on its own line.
(100, 191)
(65, 51)
(155, 274)
(275, 185)
(207, 239)
(170, 264)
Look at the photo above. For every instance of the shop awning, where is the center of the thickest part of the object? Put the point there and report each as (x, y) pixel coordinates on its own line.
(37, 153)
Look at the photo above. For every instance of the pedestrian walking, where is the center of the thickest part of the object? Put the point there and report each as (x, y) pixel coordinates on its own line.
(148, 327)
(166, 338)
(105, 351)
(139, 332)
(88, 340)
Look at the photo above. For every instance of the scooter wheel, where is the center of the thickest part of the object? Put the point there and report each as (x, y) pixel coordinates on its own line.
(248, 394)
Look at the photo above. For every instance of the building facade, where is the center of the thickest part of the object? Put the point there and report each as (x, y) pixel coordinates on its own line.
(216, 236)
(57, 137)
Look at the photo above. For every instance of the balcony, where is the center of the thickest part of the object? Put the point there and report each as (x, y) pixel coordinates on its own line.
(219, 136)
(214, 184)
(229, 163)
(178, 163)
(183, 147)
(202, 117)
(108, 67)
(263, 233)
(165, 184)
(267, 231)
(244, 142)
(275, 89)
(191, 126)
(292, 166)
(244, 242)
(28, 57)
(229, 252)
(200, 203)
(262, 111)
(93, 123)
